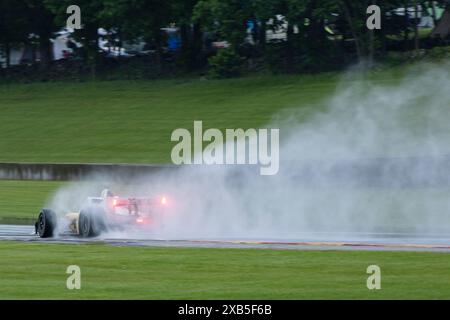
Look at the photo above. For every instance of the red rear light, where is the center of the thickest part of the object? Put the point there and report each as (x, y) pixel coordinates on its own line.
(163, 200)
(119, 202)
(143, 221)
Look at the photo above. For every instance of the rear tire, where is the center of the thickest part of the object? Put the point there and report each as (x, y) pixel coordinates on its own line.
(91, 223)
(46, 224)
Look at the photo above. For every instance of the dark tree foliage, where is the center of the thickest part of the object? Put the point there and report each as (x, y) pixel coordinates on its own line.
(306, 35)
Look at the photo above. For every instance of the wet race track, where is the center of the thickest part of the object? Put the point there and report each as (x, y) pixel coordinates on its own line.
(311, 241)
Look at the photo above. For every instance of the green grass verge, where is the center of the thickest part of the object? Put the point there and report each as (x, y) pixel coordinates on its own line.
(37, 271)
(132, 121)
(20, 201)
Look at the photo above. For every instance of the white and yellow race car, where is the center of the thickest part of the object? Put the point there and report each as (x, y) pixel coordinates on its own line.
(101, 214)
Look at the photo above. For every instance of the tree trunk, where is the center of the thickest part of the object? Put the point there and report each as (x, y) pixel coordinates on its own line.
(353, 31)
(383, 37)
(262, 35)
(433, 12)
(8, 54)
(406, 31)
(197, 45)
(416, 27)
(45, 51)
(185, 42)
(371, 48)
(159, 54)
(91, 44)
(371, 44)
(289, 61)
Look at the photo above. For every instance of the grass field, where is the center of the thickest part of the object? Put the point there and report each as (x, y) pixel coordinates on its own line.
(130, 122)
(20, 201)
(133, 121)
(38, 271)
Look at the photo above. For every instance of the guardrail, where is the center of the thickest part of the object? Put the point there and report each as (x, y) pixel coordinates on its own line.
(74, 171)
(375, 172)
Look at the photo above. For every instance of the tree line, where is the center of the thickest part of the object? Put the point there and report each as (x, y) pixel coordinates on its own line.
(318, 34)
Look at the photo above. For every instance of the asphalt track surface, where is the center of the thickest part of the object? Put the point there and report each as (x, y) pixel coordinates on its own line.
(309, 241)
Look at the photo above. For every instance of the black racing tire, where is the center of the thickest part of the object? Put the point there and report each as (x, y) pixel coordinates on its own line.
(91, 223)
(46, 223)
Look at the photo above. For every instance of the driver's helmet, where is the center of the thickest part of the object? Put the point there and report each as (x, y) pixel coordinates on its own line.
(106, 193)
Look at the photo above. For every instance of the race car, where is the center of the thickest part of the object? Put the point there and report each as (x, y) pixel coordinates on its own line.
(101, 214)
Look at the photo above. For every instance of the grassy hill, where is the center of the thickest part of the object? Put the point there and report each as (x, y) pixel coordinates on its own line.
(132, 122)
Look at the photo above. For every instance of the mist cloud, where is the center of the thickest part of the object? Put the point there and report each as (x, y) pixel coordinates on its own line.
(321, 185)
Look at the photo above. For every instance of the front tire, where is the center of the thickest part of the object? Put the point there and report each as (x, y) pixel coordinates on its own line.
(46, 224)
